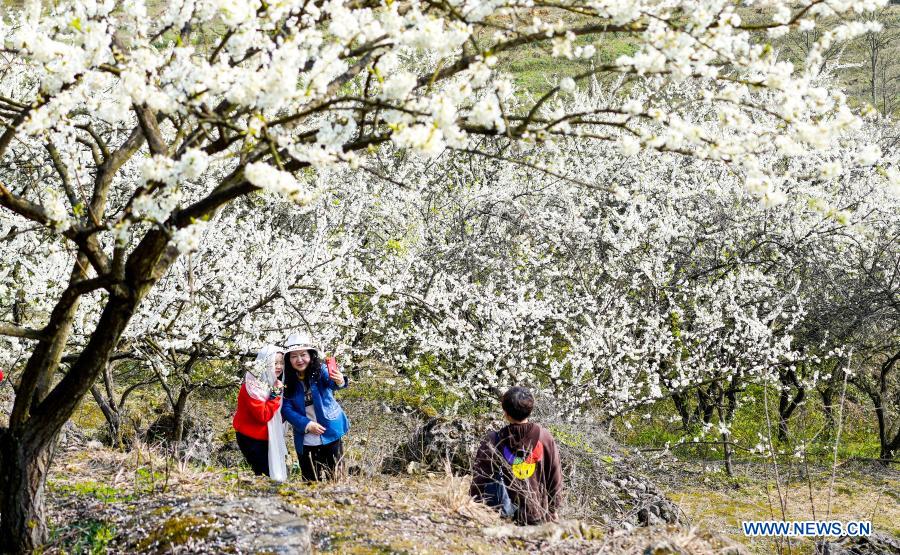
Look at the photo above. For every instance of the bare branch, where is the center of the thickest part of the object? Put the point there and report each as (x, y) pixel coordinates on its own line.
(11, 330)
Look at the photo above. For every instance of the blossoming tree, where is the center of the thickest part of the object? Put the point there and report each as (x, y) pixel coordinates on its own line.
(126, 132)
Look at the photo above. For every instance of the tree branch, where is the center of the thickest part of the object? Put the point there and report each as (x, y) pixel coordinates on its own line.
(11, 330)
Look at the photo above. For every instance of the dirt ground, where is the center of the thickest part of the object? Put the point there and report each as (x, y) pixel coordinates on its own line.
(102, 500)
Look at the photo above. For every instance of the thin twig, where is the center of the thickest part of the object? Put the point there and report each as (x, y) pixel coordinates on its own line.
(837, 439)
(781, 496)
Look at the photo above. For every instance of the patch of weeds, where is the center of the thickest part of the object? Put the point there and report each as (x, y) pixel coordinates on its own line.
(228, 436)
(91, 536)
(101, 492)
(88, 415)
(422, 399)
(717, 477)
(177, 530)
(82, 536)
(160, 511)
(416, 389)
(572, 439)
(350, 542)
(145, 480)
(230, 476)
(654, 427)
(303, 498)
(894, 494)
(535, 70)
(587, 532)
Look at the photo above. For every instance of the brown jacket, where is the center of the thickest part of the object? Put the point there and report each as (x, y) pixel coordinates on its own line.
(537, 489)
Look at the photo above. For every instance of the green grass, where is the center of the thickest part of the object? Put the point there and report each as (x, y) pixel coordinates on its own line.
(808, 425)
(713, 504)
(575, 440)
(534, 70)
(427, 396)
(90, 488)
(84, 536)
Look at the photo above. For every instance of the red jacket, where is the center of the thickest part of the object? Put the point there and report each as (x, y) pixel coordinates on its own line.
(252, 416)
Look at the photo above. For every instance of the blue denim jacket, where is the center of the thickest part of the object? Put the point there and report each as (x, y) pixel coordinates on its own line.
(329, 413)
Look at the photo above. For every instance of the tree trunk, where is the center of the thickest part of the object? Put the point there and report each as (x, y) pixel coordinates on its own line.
(827, 395)
(889, 445)
(787, 404)
(889, 451)
(730, 407)
(23, 474)
(113, 420)
(683, 412)
(26, 447)
(178, 421)
(706, 403)
(111, 411)
(726, 445)
(783, 402)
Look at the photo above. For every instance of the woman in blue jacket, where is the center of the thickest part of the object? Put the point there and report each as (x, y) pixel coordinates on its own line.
(309, 405)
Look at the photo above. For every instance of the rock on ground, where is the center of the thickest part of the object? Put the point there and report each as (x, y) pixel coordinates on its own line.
(876, 544)
(436, 442)
(243, 525)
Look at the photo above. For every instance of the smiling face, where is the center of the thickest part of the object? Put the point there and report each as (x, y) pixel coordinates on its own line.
(279, 364)
(299, 360)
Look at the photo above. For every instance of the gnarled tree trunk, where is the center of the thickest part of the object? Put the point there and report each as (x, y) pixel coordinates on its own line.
(28, 442)
(23, 474)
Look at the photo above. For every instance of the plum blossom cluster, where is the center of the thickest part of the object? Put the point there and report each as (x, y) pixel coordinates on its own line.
(279, 72)
(582, 237)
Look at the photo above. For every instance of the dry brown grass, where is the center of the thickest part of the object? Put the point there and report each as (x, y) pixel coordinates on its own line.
(452, 494)
(856, 496)
(420, 513)
(671, 539)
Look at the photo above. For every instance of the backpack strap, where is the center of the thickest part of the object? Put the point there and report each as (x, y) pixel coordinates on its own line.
(495, 438)
(497, 495)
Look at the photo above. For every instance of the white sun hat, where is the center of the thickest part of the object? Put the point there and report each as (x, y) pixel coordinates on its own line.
(299, 342)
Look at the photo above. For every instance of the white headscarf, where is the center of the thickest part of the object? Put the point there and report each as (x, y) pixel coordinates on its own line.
(259, 386)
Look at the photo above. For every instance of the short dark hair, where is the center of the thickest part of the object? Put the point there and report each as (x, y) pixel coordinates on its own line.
(518, 403)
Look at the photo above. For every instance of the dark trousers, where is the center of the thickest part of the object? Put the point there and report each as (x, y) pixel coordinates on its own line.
(256, 451)
(319, 462)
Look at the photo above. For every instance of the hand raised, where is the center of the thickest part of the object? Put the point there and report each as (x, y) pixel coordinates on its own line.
(333, 371)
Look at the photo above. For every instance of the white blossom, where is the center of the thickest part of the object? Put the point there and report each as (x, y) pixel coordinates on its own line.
(270, 178)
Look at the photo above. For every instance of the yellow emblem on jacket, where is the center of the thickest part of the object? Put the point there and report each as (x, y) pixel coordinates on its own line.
(523, 466)
(523, 470)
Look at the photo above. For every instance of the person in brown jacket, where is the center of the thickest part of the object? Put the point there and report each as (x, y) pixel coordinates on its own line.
(524, 456)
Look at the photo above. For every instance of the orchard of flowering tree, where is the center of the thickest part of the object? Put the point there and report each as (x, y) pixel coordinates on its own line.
(692, 221)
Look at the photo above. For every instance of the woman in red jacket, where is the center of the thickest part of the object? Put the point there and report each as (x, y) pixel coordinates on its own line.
(259, 402)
